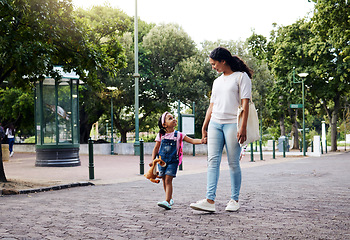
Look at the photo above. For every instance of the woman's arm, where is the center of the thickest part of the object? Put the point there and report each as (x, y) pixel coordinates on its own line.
(242, 132)
(206, 122)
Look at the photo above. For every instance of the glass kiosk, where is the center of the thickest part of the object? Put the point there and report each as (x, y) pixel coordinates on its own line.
(57, 121)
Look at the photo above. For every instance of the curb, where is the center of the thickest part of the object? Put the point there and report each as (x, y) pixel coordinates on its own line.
(44, 189)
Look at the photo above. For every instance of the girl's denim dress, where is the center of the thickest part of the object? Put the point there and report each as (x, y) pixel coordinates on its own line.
(168, 153)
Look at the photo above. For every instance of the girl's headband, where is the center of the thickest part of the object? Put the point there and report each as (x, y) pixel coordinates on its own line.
(163, 117)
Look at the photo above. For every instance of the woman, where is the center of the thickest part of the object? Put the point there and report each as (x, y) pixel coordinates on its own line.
(10, 132)
(229, 90)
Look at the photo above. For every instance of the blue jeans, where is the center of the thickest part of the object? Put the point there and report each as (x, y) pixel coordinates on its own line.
(218, 136)
(11, 141)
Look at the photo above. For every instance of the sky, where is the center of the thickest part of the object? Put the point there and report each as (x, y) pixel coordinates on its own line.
(215, 19)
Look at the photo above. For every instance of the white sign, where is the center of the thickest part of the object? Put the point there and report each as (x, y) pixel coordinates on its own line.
(188, 125)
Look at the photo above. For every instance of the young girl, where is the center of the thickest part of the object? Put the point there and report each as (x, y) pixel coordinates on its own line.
(168, 143)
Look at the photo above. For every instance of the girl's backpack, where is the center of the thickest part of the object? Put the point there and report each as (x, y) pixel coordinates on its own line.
(180, 149)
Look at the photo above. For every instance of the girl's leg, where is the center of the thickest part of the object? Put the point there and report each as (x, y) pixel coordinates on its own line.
(215, 145)
(233, 150)
(168, 187)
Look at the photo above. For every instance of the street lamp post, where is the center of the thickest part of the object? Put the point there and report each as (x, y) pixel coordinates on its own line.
(136, 76)
(112, 140)
(302, 76)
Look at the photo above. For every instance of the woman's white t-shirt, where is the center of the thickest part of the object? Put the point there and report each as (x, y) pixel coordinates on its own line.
(225, 96)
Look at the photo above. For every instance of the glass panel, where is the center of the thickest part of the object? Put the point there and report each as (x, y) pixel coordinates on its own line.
(49, 110)
(64, 112)
(37, 113)
(75, 111)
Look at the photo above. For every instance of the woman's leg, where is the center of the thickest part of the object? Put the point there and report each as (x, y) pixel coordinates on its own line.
(215, 145)
(233, 150)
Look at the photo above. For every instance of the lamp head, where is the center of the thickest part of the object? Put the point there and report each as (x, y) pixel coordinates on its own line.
(303, 74)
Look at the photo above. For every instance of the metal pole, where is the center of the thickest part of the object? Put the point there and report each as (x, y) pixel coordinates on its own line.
(136, 75)
(141, 158)
(261, 154)
(273, 150)
(304, 140)
(194, 122)
(251, 152)
(284, 148)
(91, 159)
(112, 141)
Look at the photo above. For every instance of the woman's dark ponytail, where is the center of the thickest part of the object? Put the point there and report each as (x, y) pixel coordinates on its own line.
(235, 62)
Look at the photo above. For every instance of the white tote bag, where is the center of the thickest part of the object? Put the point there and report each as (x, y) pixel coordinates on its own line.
(252, 122)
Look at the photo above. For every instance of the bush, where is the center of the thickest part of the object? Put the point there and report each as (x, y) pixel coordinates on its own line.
(30, 140)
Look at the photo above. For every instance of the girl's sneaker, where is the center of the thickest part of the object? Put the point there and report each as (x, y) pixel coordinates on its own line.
(165, 205)
(171, 202)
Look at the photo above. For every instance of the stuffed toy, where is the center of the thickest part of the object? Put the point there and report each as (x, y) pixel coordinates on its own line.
(152, 173)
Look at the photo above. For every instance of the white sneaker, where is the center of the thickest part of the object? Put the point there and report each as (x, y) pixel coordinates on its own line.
(203, 205)
(232, 206)
(11, 154)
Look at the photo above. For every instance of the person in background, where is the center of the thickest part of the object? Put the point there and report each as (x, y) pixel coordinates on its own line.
(10, 132)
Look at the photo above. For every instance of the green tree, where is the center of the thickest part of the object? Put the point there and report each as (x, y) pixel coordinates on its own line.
(329, 49)
(106, 26)
(287, 52)
(160, 51)
(17, 107)
(36, 35)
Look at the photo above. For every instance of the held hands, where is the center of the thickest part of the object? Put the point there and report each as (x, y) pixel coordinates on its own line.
(204, 136)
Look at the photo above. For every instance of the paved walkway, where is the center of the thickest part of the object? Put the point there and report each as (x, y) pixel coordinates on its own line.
(285, 198)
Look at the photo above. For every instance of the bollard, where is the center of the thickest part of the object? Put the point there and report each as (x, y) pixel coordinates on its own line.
(326, 145)
(260, 146)
(142, 171)
(256, 146)
(312, 146)
(273, 149)
(321, 148)
(284, 148)
(91, 159)
(301, 145)
(251, 152)
(194, 150)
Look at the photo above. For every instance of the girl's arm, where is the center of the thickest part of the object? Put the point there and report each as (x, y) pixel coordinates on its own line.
(155, 152)
(242, 132)
(193, 140)
(206, 122)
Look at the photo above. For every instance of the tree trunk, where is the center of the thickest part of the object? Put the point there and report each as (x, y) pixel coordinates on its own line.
(123, 135)
(334, 131)
(2, 171)
(295, 131)
(333, 119)
(282, 127)
(85, 126)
